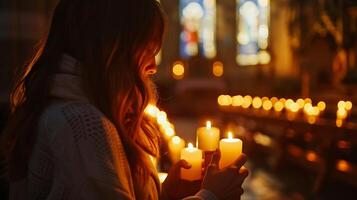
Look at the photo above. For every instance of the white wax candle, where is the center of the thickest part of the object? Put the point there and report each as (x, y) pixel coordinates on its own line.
(208, 137)
(230, 149)
(194, 157)
(176, 144)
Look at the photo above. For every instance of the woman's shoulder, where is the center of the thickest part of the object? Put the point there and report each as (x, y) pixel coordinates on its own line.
(69, 111)
(73, 116)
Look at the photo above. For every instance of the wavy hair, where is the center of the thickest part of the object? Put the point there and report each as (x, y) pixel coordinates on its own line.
(109, 38)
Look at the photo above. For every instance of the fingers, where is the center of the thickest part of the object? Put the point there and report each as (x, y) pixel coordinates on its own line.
(244, 171)
(183, 164)
(175, 169)
(243, 174)
(240, 161)
(213, 166)
(215, 158)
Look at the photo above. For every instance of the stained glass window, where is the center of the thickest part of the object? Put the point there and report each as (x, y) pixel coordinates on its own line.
(198, 21)
(253, 32)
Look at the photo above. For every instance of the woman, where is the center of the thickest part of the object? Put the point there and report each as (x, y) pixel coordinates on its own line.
(77, 129)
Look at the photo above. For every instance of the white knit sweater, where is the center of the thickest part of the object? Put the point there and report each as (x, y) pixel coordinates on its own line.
(78, 153)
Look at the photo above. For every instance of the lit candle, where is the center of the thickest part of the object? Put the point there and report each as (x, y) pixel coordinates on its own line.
(208, 137)
(230, 149)
(193, 156)
(176, 144)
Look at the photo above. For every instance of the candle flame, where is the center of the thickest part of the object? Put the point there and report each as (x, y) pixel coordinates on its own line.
(190, 146)
(176, 139)
(208, 124)
(230, 135)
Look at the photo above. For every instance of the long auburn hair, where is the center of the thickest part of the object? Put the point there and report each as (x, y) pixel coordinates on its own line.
(109, 38)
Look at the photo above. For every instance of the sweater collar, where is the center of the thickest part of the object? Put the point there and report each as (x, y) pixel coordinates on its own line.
(67, 82)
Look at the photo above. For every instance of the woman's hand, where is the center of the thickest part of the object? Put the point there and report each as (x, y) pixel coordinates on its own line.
(225, 183)
(176, 188)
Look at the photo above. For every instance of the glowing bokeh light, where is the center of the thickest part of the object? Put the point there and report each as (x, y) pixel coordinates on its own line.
(257, 102)
(321, 105)
(178, 70)
(237, 100)
(217, 69)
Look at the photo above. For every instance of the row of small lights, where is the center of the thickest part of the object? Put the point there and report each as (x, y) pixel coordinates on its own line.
(267, 104)
(166, 128)
(272, 103)
(276, 104)
(178, 69)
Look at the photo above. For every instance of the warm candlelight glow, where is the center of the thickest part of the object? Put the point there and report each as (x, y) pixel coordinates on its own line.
(178, 70)
(262, 139)
(348, 105)
(169, 132)
(230, 149)
(267, 105)
(230, 135)
(176, 144)
(341, 105)
(274, 100)
(218, 69)
(311, 156)
(208, 137)
(294, 107)
(315, 111)
(151, 110)
(288, 103)
(161, 117)
(208, 125)
(193, 156)
(190, 146)
(308, 100)
(339, 122)
(265, 99)
(282, 100)
(341, 113)
(257, 103)
(343, 166)
(247, 101)
(176, 140)
(301, 103)
(307, 108)
(167, 129)
(321, 105)
(278, 106)
(237, 100)
(224, 100)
